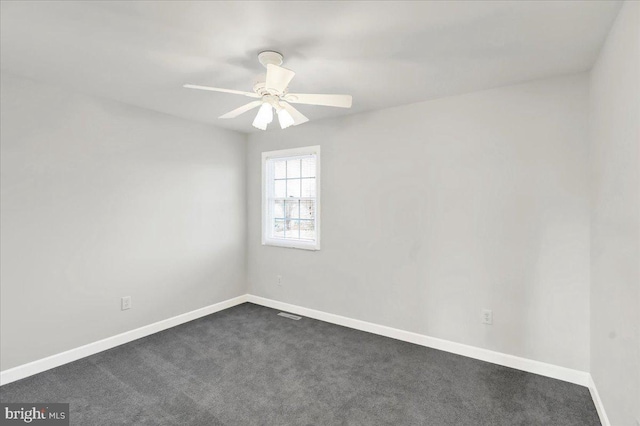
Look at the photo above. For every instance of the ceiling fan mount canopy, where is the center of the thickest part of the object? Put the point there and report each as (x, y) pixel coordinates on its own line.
(270, 57)
(272, 90)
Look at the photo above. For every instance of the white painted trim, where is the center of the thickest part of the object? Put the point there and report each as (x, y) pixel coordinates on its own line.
(537, 367)
(598, 402)
(38, 366)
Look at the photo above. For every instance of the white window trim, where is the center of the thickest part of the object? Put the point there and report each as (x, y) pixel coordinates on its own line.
(281, 242)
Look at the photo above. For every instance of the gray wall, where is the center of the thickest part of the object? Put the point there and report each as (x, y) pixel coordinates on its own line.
(436, 210)
(102, 200)
(615, 236)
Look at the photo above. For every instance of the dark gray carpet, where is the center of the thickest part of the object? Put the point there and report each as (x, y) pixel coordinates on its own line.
(248, 366)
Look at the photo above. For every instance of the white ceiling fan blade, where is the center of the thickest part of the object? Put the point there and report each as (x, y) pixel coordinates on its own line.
(340, 101)
(298, 117)
(217, 89)
(244, 108)
(278, 78)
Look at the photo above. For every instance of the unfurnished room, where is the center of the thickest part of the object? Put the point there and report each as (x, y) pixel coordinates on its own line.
(320, 213)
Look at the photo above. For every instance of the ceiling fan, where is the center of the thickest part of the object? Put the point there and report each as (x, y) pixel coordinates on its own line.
(271, 92)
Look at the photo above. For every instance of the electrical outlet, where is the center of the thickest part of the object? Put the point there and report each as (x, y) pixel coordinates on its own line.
(487, 316)
(125, 303)
(279, 280)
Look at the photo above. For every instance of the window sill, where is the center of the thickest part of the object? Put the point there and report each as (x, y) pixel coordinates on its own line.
(292, 244)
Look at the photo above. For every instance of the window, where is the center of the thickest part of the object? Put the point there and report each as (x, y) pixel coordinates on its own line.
(291, 198)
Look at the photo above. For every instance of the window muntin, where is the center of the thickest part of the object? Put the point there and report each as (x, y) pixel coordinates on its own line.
(291, 199)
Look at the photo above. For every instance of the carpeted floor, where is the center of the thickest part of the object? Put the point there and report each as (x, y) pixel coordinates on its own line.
(248, 366)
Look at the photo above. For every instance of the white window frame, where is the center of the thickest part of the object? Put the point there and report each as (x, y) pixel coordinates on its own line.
(267, 220)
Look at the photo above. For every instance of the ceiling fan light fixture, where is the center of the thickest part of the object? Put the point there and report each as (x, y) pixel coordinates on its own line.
(285, 119)
(264, 117)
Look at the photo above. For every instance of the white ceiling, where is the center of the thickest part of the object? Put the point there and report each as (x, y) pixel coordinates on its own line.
(383, 53)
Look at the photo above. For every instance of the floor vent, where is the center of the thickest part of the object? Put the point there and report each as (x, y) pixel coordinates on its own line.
(290, 316)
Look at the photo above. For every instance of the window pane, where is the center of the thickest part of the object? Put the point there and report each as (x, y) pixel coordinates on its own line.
(278, 229)
(280, 189)
(293, 188)
(278, 209)
(307, 230)
(309, 167)
(292, 209)
(293, 168)
(293, 229)
(309, 187)
(307, 210)
(279, 169)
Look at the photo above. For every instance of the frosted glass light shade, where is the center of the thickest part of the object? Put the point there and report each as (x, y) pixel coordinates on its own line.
(264, 117)
(285, 118)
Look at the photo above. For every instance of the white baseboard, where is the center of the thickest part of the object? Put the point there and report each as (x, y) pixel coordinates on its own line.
(598, 402)
(524, 364)
(35, 367)
(549, 370)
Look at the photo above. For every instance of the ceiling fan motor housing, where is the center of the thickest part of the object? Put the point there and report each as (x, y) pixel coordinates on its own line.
(260, 88)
